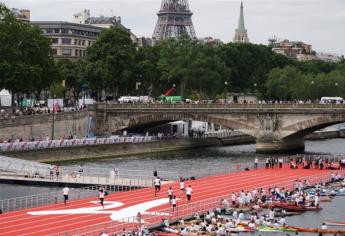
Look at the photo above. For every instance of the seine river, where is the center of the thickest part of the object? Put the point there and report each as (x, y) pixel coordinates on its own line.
(202, 160)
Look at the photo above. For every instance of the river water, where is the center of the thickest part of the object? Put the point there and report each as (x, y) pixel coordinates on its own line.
(204, 159)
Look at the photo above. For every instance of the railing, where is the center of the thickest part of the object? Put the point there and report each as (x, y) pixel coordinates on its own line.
(9, 164)
(186, 210)
(55, 197)
(36, 145)
(218, 106)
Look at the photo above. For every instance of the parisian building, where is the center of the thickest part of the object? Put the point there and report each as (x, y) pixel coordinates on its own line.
(21, 14)
(69, 40)
(85, 18)
(293, 49)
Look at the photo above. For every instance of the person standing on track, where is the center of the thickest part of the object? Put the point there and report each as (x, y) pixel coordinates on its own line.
(157, 183)
(101, 194)
(189, 191)
(170, 194)
(182, 184)
(174, 205)
(65, 194)
(256, 162)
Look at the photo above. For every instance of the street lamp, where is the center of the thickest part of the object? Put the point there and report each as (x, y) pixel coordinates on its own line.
(53, 124)
(226, 89)
(336, 88)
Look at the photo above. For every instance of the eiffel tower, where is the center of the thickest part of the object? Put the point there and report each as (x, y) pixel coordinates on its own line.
(174, 19)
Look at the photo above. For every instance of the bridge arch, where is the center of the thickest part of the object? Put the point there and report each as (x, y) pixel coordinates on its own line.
(139, 120)
(306, 127)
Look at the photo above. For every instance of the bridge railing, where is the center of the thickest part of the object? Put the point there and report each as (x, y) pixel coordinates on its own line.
(218, 106)
(182, 211)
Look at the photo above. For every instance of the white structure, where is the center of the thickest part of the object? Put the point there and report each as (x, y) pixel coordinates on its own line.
(81, 17)
(5, 98)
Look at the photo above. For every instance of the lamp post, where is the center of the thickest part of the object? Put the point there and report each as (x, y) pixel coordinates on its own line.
(225, 90)
(53, 124)
(336, 88)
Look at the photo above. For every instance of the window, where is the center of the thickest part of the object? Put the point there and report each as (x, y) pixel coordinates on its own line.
(56, 31)
(83, 42)
(66, 52)
(64, 31)
(55, 40)
(54, 51)
(66, 41)
(49, 31)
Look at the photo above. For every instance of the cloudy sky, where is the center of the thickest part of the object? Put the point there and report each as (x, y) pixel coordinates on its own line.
(317, 22)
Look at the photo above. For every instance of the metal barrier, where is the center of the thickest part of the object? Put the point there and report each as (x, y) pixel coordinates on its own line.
(186, 210)
(37, 145)
(19, 203)
(9, 164)
(218, 106)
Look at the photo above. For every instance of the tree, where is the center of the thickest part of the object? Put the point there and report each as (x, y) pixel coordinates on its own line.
(75, 75)
(250, 65)
(208, 72)
(26, 62)
(112, 58)
(147, 70)
(175, 60)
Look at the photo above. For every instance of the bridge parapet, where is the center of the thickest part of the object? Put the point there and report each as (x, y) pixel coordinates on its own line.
(101, 106)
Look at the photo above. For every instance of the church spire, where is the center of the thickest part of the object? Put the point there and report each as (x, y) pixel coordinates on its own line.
(241, 32)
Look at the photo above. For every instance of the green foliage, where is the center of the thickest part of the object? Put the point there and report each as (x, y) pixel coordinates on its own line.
(291, 83)
(26, 62)
(112, 58)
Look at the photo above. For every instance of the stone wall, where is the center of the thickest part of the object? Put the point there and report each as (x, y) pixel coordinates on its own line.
(39, 126)
(113, 150)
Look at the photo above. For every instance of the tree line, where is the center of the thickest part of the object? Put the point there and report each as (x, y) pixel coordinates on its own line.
(115, 66)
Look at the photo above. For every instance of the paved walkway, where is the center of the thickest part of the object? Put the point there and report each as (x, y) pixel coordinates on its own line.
(82, 216)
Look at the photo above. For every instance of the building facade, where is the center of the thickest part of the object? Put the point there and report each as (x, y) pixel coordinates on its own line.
(241, 35)
(85, 18)
(21, 14)
(69, 40)
(294, 49)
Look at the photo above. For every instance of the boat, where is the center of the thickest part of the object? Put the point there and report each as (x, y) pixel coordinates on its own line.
(333, 223)
(160, 233)
(296, 207)
(273, 229)
(317, 230)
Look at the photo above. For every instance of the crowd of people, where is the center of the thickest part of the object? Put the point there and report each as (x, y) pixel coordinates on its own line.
(235, 212)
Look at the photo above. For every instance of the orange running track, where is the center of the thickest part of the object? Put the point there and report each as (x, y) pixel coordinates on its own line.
(50, 219)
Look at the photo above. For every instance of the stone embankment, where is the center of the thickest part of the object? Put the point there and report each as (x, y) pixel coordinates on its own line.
(113, 150)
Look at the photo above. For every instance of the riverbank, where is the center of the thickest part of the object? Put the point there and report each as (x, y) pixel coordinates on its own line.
(113, 150)
(127, 149)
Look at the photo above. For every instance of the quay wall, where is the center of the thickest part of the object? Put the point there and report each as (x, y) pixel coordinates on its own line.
(113, 150)
(39, 126)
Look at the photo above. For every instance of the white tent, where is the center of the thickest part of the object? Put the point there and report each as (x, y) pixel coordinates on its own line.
(5, 98)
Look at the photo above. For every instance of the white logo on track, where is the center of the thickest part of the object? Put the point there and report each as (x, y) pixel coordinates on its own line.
(115, 215)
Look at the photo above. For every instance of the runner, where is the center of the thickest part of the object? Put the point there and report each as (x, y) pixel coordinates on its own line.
(65, 194)
(157, 183)
(189, 191)
(170, 194)
(101, 194)
(181, 184)
(174, 205)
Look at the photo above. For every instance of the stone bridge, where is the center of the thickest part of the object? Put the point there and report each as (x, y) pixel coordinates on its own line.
(276, 128)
